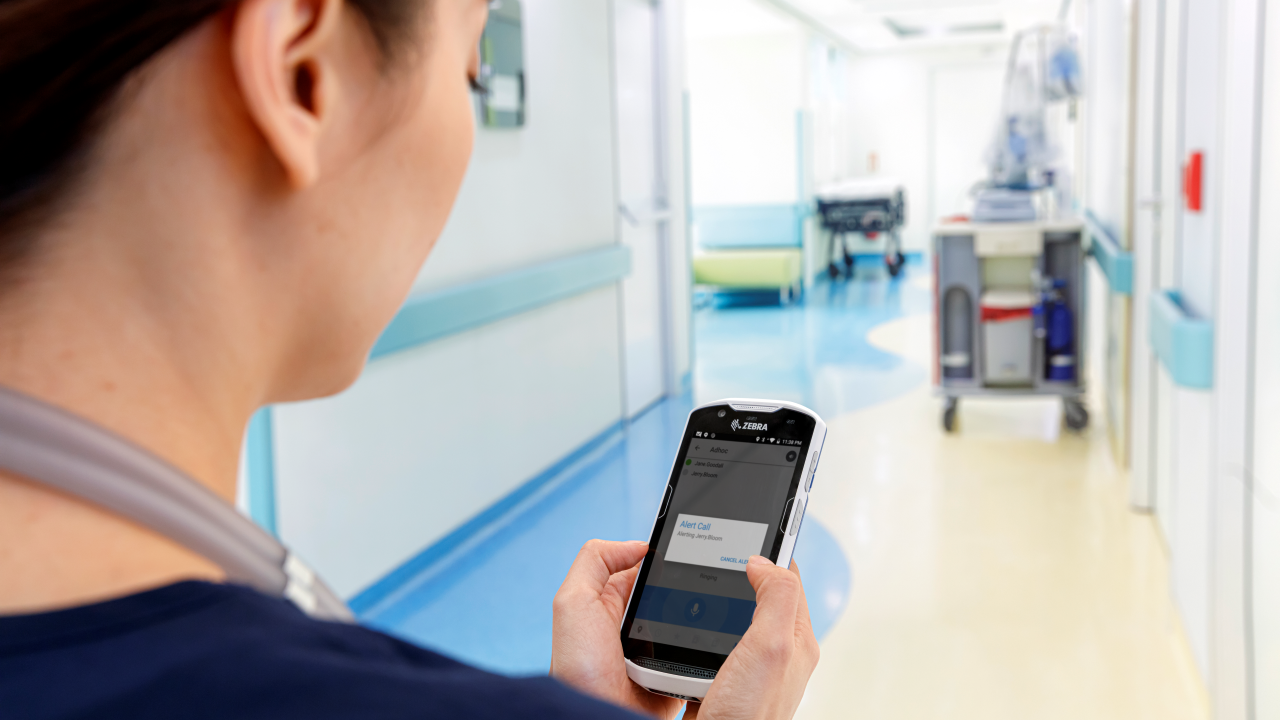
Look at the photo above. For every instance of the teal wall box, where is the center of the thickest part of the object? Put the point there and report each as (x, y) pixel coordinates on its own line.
(1183, 343)
(1116, 264)
(433, 315)
(724, 227)
(502, 103)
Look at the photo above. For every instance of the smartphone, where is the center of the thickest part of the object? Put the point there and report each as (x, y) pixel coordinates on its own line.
(739, 487)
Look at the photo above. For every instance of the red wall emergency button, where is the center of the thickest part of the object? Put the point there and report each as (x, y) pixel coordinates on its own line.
(1193, 181)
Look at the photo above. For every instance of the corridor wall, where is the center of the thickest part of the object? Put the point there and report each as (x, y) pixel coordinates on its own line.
(433, 434)
(1105, 189)
(1196, 241)
(750, 132)
(1264, 499)
(908, 111)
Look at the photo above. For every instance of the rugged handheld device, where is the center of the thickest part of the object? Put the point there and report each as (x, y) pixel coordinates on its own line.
(739, 487)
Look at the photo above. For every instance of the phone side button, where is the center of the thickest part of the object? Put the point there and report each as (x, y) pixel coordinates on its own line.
(795, 521)
(809, 485)
(786, 513)
(666, 500)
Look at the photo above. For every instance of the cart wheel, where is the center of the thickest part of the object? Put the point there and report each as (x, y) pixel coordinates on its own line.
(1075, 414)
(833, 271)
(848, 263)
(895, 264)
(949, 414)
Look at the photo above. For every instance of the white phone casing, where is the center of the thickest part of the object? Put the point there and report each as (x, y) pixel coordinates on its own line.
(690, 688)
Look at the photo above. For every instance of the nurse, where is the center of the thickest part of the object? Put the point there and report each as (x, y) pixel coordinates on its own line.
(207, 206)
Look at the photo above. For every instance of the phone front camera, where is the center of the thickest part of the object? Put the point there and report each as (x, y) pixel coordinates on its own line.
(721, 413)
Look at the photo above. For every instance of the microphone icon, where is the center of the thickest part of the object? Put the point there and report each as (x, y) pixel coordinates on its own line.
(695, 609)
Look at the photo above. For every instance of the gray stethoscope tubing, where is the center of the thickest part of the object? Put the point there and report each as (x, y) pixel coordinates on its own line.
(48, 445)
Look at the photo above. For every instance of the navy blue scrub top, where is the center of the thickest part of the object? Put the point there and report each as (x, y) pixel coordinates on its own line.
(203, 650)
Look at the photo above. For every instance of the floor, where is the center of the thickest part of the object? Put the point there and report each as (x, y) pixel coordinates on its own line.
(995, 573)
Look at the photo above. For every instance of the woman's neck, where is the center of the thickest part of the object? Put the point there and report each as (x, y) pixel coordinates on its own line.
(89, 340)
(57, 551)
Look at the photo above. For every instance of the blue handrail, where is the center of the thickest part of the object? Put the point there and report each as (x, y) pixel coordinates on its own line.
(1116, 264)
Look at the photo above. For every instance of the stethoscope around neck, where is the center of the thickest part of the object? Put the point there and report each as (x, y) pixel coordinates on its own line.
(53, 447)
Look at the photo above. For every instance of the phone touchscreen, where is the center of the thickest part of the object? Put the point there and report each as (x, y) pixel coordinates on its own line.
(731, 485)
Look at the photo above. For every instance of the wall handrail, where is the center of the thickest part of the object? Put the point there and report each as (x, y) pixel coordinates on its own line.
(1114, 262)
(1182, 342)
(433, 315)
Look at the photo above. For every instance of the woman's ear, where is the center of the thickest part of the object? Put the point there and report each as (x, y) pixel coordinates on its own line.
(279, 50)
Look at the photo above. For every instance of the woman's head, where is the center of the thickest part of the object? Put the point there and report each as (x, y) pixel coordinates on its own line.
(267, 174)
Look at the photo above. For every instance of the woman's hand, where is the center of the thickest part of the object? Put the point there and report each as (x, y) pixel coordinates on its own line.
(766, 673)
(764, 676)
(586, 646)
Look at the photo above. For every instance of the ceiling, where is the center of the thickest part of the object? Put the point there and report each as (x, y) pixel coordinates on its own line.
(880, 25)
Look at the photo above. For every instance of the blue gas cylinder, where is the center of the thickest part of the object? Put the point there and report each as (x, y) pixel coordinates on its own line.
(1060, 342)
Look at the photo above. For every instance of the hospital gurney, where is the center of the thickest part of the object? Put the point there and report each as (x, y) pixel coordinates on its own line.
(870, 206)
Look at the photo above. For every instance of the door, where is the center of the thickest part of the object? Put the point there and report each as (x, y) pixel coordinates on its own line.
(1174, 249)
(1191, 411)
(1147, 204)
(643, 214)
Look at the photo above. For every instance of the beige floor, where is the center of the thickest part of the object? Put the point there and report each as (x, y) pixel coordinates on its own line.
(997, 573)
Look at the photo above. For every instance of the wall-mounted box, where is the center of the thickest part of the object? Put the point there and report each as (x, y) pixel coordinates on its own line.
(1183, 343)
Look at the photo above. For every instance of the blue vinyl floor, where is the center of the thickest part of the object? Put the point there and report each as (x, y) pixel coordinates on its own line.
(487, 601)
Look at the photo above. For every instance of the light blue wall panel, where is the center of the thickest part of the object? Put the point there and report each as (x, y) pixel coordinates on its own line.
(748, 226)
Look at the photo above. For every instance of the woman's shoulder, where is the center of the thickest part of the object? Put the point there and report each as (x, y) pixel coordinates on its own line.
(229, 651)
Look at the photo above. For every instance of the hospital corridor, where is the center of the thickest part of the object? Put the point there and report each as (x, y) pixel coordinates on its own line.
(332, 387)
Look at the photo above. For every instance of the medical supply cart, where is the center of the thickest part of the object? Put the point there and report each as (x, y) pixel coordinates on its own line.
(1009, 311)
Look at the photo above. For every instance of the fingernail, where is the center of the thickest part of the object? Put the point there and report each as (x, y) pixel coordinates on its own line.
(758, 560)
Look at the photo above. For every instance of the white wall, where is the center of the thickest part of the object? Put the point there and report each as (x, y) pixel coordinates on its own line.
(1105, 183)
(1104, 45)
(371, 477)
(429, 437)
(1265, 500)
(1265, 497)
(892, 114)
(744, 95)
(546, 190)
(829, 108)
(965, 100)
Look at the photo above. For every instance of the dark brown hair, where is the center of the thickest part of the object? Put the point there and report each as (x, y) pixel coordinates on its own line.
(62, 62)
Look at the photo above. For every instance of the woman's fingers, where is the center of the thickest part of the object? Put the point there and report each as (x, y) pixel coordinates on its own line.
(804, 627)
(618, 591)
(778, 598)
(599, 560)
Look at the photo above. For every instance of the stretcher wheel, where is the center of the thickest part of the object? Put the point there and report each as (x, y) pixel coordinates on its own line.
(833, 271)
(1075, 414)
(848, 263)
(949, 414)
(895, 264)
